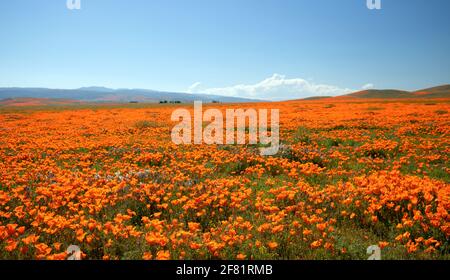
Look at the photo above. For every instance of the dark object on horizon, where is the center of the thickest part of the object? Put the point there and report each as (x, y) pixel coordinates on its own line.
(171, 102)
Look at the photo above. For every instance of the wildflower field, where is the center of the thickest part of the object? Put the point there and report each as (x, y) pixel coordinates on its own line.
(349, 174)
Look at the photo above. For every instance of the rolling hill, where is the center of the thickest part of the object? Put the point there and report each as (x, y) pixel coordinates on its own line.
(435, 92)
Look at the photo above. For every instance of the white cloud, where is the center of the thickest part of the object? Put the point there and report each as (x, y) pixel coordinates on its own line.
(277, 87)
(368, 86)
(194, 88)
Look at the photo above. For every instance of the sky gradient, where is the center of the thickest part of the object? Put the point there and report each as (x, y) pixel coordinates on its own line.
(272, 49)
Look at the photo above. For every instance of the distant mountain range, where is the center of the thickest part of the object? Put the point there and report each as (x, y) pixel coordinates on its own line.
(45, 96)
(102, 94)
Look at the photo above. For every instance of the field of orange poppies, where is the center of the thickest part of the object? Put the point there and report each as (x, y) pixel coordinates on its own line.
(349, 174)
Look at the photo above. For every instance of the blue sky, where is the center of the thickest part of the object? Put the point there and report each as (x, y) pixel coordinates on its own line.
(273, 49)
